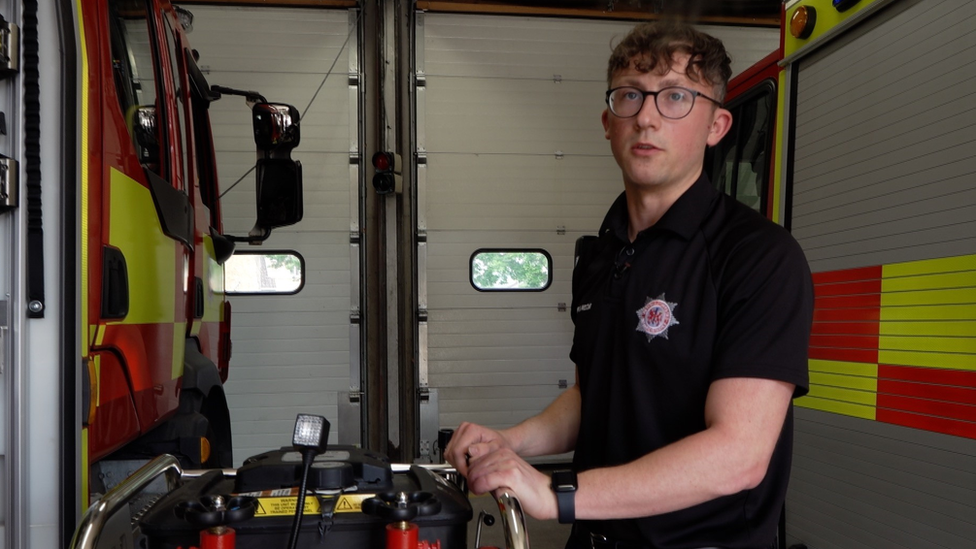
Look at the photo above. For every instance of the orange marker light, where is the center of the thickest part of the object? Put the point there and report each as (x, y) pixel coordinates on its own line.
(802, 22)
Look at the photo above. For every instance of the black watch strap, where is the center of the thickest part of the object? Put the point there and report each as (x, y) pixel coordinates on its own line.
(564, 484)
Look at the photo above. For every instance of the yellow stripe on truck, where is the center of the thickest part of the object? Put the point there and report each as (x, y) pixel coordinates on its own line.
(84, 185)
(150, 255)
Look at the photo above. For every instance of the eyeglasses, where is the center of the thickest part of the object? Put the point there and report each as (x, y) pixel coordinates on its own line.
(673, 102)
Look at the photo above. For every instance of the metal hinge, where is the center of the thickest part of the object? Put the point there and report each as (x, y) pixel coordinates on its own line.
(3, 337)
(8, 183)
(9, 48)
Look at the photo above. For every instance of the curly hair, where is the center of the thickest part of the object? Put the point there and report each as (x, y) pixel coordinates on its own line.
(652, 46)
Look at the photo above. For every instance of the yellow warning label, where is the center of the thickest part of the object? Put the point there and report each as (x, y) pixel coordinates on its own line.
(285, 506)
(351, 503)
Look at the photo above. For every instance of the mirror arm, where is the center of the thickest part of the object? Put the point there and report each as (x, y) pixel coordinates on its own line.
(256, 236)
(251, 96)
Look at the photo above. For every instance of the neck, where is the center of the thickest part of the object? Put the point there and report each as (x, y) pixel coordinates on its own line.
(646, 206)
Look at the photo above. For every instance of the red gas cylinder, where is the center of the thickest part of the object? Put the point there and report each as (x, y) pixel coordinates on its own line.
(219, 537)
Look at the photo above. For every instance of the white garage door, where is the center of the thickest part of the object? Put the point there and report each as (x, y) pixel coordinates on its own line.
(291, 353)
(509, 120)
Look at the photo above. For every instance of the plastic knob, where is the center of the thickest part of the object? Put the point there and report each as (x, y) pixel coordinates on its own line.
(400, 506)
(210, 511)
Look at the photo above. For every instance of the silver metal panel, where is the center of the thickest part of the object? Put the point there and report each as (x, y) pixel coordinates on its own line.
(859, 483)
(429, 408)
(392, 323)
(350, 418)
(291, 353)
(883, 174)
(355, 320)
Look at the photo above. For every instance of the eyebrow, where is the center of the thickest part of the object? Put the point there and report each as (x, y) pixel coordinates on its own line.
(672, 82)
(665, 83)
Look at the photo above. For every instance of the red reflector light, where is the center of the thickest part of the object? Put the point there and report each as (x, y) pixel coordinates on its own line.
(382, 161)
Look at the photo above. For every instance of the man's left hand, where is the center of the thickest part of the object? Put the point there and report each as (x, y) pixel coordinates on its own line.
(502, 468)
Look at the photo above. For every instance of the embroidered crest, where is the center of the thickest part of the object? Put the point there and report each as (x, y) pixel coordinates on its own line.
(655, 317)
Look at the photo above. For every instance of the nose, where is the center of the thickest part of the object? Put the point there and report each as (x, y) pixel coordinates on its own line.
(648, 115)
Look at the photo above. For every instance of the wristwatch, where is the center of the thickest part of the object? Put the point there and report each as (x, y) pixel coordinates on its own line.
(564, 485)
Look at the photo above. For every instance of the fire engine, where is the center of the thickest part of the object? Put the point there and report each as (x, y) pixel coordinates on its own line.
(854, 135)
(112, 247)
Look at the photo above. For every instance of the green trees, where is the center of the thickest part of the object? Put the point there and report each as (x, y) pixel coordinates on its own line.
(523, 270)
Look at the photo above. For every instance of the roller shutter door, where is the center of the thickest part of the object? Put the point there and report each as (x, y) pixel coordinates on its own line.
(291, 354)
(884, 206)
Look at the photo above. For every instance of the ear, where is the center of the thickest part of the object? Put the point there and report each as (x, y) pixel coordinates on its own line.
(721, 123)
(606, 123)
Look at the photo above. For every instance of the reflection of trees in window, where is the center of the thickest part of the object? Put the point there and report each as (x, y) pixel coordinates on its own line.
(264, 273)
(511, 270)
(285, 261)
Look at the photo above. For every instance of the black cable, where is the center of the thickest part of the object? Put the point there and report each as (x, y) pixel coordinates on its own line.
(314, 96)
(308, 456)
(32, 153)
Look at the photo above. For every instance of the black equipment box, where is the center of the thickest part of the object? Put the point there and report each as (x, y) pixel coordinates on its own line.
(342, 479)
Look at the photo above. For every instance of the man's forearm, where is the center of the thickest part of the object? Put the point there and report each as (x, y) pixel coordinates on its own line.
(730, 455)
(552, 431)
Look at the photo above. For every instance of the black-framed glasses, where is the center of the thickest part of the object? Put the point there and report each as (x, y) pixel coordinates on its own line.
(673, 102)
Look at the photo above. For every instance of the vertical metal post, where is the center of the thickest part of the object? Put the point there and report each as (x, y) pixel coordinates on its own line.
(389, 142)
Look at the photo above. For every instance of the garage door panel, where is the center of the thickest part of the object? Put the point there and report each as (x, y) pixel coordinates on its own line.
(516, 157)
(326, 206)
(291, 353)
(530, 47)
(548, 116)
(241, 39)
(530, 193)
(465, 324)
(494, 406)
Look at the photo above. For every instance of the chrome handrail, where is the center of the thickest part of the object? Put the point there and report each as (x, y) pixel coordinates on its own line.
(91, 525)
(513, 519)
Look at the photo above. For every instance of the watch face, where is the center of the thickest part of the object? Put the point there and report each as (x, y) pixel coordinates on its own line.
(564, 481)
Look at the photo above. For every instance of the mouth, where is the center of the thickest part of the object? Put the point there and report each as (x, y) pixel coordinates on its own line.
(644, 148)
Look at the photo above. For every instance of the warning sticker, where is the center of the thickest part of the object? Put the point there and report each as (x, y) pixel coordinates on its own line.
(285, 506)
(351, 503)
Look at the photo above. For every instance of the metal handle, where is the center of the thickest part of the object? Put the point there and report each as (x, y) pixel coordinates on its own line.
(91, 525)
(513, 519)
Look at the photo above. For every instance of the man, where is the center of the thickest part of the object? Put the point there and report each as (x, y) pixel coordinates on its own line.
(692, 317)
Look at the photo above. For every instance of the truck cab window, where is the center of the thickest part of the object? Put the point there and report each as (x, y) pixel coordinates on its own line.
(739, 164)
(179, 89)
(135, 82)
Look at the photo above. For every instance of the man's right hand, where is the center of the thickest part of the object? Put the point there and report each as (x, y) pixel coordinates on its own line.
(471, 440)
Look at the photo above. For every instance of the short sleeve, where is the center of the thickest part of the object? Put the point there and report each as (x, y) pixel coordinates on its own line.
(765, 302)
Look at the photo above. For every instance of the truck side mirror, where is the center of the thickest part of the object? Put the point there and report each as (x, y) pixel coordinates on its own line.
(276, 127)
(279, 178)
(145, 128)
(279, 192)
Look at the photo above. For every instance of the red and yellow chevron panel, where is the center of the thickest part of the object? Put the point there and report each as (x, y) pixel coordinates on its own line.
(897, 344)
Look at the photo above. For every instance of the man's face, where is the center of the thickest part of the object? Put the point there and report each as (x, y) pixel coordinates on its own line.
(656, 153)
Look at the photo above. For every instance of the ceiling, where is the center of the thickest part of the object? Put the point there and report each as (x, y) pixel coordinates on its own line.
(758, 12)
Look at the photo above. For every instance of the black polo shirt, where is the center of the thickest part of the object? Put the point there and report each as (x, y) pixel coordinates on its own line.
(713, 290)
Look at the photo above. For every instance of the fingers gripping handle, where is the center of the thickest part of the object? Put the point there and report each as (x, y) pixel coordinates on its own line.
(513, 519)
